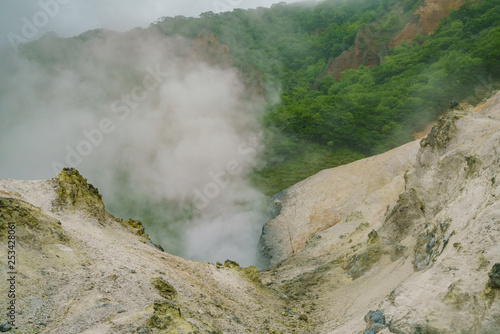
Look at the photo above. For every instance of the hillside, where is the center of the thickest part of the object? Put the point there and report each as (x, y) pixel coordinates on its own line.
(344, 152)
(370, 45)
(425, 264)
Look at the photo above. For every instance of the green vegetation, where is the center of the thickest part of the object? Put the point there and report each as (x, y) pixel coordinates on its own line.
(324, 122)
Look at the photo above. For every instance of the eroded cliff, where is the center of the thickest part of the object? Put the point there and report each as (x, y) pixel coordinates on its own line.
(373, 41)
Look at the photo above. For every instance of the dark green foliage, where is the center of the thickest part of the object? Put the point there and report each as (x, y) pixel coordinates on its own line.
(372, 110)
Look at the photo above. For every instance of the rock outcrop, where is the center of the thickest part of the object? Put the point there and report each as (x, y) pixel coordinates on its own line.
(370, 45)
(366, 50)
(403, 242)
(425, 19)
(208, 46)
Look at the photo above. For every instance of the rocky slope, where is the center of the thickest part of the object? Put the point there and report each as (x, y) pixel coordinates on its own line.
(425, 19)
(404, 242)
(335, 197)
(81, 270)
(371, 45)
(425, 262)
(209, 48)
(366, 50)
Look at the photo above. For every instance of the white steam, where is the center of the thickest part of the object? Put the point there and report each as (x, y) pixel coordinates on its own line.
(146, 121)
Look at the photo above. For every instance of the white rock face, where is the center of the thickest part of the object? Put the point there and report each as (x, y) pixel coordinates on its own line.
(355, 192)
(456, 240)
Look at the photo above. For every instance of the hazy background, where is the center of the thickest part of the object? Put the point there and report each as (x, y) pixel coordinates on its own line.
(77, 16)
(178, 158)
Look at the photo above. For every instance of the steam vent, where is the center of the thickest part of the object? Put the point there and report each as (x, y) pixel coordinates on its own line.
(205, 167)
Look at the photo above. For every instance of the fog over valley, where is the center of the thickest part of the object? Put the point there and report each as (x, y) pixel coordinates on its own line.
(164, 135)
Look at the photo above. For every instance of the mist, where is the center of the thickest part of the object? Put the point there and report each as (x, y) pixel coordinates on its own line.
(164, 135)
(68, 18)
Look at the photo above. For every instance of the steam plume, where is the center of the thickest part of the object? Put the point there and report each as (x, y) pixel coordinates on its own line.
(163, 134)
